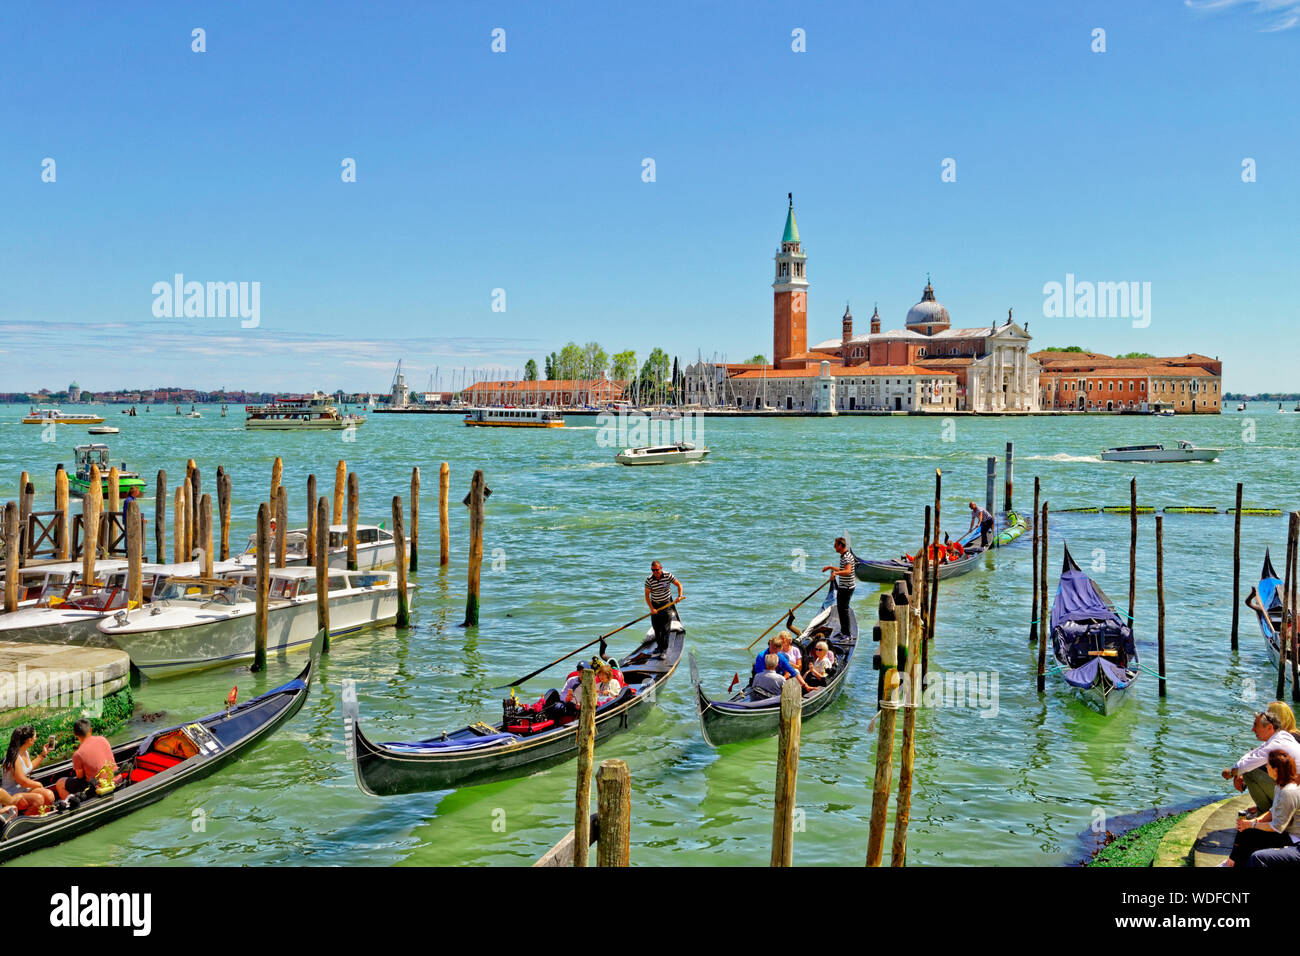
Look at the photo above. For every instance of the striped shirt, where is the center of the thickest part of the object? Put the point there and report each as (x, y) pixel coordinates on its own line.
(660, 588)
(847, 582)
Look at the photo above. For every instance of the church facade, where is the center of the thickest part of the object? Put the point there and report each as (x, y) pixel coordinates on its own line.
(927, 366)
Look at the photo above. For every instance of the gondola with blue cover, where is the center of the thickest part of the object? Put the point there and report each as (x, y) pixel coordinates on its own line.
(1093, 647)
(1265, 599)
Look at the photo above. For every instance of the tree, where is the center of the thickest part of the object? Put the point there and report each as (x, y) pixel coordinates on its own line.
(594, 360)
(1137, 355)
(654, 373)
(756, 360)
(1068, 348)
(530, 371)
(550, 365)
(624, 365)
(570, 363)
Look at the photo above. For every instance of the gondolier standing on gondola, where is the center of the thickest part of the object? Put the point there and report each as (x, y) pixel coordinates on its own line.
(846, 579)
(658, 592)
(980, 516)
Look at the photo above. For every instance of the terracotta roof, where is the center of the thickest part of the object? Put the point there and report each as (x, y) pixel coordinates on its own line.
(957, 360)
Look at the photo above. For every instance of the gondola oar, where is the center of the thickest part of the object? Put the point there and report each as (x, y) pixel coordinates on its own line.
(786, 615)
(526, 677)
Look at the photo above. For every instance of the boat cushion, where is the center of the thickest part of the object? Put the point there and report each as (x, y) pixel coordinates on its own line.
(148, 764)
(531, 728)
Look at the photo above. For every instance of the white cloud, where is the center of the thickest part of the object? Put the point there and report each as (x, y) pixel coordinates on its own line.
(1284, 14)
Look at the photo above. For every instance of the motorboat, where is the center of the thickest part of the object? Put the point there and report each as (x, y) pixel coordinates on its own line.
(103, 430)
(375, 547)
(317, 413)
(56, 416)
(1185, 451)
(196, 623)
(97, 454)
(536, 417)
(677, 454)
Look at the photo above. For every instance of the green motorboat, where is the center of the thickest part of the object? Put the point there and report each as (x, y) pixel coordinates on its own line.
(87, 455)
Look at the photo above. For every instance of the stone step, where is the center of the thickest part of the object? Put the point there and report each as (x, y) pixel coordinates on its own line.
(1214, 842)
(58, 675)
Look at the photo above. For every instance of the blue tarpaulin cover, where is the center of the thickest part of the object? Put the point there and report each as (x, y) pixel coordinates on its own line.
(1082, 621)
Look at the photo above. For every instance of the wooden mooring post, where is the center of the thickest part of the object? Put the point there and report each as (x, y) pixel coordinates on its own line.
(340, 483)
(1033, 602)
(415, 520)
(1046, 630)
(787, 774)
(476, 497)
(62, 539)
(281, 503)
(223, 505)
(193, 495)
(910, 700)
(321, 545)
(1010, 469)
(990, 479)
(11, 557)
(263, 585)
(1292, 603)
(1286, 635)
(1236, 567)
(277, 474)
(354, 509)
(160, 518)
(614, 806)
(444, 518)
(205, 534)
(178, 526)
(134, 555)
(399, 544)
(311, 519)
(91, 504)
(1132, 547)
(892, 617)
(586, 751)
(1160, 599)
(26, 505)
(933, 588)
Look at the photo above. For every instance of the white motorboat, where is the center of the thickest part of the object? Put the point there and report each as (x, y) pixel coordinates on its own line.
(1241, 406)
(1185, 451)
(677, 454)
(195, 623)
(103, 430)
(1166, 413)
(375, 547)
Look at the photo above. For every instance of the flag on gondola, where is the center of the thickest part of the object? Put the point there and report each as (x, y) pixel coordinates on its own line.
(230, 698)
(734, 681)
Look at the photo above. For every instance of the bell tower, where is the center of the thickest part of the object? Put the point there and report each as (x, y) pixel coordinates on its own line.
(789, 295)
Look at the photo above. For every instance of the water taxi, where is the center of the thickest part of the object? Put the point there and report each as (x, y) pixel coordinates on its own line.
(516, 417)
(56, 416)
(1159, 454)
(308, 414)
(677, 454)
(97, 454)
(375, 547)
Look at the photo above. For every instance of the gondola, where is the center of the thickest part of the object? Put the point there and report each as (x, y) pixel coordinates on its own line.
(893, 570)
(1265, 599)
(483, 753)
(742, 718)
(1094, 649)
(1015, 526)
(151, 767)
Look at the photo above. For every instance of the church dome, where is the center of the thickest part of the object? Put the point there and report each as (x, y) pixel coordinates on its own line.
(927, 312)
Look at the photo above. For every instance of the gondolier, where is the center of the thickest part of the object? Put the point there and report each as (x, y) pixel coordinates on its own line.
(979, 517)
(658, 592)
(846, 580)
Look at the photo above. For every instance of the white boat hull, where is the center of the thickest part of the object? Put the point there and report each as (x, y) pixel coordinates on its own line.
(371, 557)
(43, 625)
(1167, 456)
(291, 425)
(662, 458)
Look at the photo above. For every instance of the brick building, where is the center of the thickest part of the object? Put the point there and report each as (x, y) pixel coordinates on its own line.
(1091, 381)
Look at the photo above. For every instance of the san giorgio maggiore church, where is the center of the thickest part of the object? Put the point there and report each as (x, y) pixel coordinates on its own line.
(926, 366)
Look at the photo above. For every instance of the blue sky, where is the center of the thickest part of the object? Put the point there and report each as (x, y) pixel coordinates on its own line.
(522, 171)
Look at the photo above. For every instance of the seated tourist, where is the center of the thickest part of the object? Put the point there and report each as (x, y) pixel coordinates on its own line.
(571, 693)
(92, 760)
(18, 766)
(11, 806)
(769, 682)
(1285, 717)
(607, 687)
(1277, 828)
(820, 664)
(1249, 772)
(784, 667)
(791, 650)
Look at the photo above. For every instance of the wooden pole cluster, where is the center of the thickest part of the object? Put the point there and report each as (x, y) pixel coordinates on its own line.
(160, 518)
(1033, 602)
(263, 585)
(134, 555)
(311, 519)
(1042, 603)
(322, 547)
(444, 518)
(892, 621)
(787, 774)
(354, 508)
(1236, 567)
(586, 751)
(415, 520)
(476, 497)
(399, 543)
(62, 540)
(1132, 548)
(11, 557)
(1160, 599)
(614, 805)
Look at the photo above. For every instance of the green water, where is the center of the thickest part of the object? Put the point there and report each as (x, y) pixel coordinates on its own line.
(569, 536)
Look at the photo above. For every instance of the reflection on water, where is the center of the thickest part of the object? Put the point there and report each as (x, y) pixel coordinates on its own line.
(576, 535)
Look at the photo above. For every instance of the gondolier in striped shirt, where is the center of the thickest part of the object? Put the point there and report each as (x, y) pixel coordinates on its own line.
(658, 592)
(846, 579)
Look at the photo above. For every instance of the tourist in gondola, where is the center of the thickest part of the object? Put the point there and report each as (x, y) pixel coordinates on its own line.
(94, 756)
(1279, 827)
(768, 682)
(791, 651)
(783, 666)
(607, 687)
(18, 765)
(981, 518)
(658, 594)
(1250, 774)
(820, 664)
(846, 580)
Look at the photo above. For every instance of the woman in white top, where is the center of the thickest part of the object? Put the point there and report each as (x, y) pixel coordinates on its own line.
(18, 765)
(820, 664)
(791, 650)
(1279, 826)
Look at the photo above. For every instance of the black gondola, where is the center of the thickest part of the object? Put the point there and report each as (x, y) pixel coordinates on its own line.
(1265, 599)
(153, 766)
(743, 718)
(879, 571)
(1093, 647)
(483, 753)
